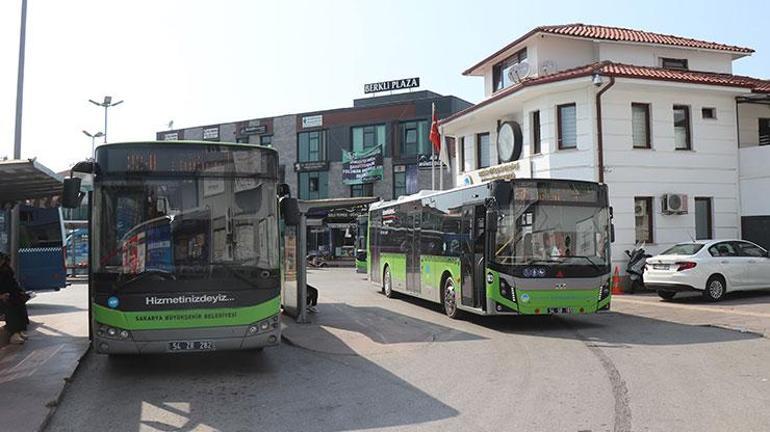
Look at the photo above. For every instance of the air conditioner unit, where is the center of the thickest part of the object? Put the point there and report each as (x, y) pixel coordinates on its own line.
(640, 210)
(674, 204)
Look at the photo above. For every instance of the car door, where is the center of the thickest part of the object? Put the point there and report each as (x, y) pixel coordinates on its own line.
(757, 264)
(726, 260)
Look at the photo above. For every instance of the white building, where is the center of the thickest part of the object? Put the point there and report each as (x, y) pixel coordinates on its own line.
(650, 115)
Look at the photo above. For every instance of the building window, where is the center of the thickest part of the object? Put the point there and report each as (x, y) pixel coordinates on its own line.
(703, 227)
(312, 146)
(313, 185)
(682, 139)
(399, 181)
(643, 217)
(501, 72)
(482, 149)
(535, 125)
(640, 125)
(266, 140)
(673, 63)
(362, 190)
(242, 140)
(368, 137)
(764, 131)
(414, 138)
(567, 124)
(709, 113)
(469, 154)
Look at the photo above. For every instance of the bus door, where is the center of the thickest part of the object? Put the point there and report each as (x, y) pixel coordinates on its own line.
(413, 230)
(472, 260)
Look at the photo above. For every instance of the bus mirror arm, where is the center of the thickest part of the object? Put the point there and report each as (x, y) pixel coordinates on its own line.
(612, 232)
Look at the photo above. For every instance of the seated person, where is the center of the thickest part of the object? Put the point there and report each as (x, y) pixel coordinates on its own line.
(12, 302)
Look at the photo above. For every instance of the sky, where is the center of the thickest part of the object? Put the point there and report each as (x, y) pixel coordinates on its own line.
(207, 62)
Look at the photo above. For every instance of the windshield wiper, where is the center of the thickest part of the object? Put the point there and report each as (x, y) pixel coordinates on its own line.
(590, 261)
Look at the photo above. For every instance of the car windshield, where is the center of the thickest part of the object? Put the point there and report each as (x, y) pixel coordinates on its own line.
(683, 249)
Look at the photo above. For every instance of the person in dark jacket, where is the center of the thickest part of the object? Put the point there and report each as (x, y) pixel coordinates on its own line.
(12, 302)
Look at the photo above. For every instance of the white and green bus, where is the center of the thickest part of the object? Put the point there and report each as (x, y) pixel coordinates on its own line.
(527, 246)
(184, 247)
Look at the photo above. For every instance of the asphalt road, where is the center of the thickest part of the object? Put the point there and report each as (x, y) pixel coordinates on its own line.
(374, 363)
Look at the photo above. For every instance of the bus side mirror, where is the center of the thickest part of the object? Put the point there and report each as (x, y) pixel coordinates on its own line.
(289, 211)
(71, 195)
(612, 233)
(491, 222)
(284, 190)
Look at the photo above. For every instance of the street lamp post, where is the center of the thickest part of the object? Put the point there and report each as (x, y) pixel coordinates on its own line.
(14, 246)
(93, 140)
(106, 104)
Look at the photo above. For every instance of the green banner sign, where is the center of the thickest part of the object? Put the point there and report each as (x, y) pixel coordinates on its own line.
(363, 167)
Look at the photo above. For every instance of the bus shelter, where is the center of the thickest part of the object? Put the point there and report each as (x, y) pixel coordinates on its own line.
(294, 295)
(23, 180)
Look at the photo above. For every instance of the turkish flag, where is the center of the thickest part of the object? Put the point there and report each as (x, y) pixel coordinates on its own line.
(435, 137)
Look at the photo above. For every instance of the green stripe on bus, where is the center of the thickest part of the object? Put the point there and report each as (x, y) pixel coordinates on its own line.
(186, 318)
(396, 263)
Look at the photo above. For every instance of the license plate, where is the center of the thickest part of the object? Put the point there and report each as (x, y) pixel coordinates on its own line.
(558, 310)
(185, 346)
(660, 266)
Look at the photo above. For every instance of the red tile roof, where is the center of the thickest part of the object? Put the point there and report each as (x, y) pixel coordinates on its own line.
(627, 71)
(618, 34)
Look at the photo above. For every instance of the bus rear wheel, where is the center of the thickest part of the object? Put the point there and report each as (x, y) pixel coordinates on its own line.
(387, 284)
(449, 298)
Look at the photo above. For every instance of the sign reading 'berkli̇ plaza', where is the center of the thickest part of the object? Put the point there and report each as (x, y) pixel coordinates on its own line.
(399, 84)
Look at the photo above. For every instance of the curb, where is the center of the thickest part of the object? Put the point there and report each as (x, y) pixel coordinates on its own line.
(54, 403)
(738, 329)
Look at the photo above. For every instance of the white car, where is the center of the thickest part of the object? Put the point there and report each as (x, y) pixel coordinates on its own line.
(712, 267)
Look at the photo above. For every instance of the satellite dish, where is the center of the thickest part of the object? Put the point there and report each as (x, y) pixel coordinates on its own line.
(548, 67)
(519, 71)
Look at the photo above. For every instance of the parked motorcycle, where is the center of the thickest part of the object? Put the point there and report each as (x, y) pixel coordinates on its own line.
(637, 260)
(315, 259)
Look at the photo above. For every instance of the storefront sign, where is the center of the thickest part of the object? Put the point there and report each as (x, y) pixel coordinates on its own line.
(398, 84)
(364, 167)
(171, 136)
(312, 121)
(503, 171)
(311, 166)
(428, 161)
(211, 133)
(252, 130)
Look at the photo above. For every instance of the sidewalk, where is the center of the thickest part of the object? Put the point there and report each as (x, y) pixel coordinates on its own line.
(33, 375)
(747, 311)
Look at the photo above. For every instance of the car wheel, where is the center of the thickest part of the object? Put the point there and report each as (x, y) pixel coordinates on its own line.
(666, 295)
(387, 284)
(715, 289)
(450, 298)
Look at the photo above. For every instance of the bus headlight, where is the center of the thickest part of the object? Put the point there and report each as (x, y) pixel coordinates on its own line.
(507, 291)
(604, 291)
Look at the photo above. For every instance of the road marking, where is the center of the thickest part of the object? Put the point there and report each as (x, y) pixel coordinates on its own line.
(691, 307)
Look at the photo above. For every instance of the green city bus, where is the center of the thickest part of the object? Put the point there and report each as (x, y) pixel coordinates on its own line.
(529, 246)
(184, 247)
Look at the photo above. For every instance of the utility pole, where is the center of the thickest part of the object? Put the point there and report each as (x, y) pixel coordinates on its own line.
(14, 246)
(106, 104)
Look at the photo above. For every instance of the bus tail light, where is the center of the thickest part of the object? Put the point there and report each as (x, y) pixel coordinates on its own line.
(685, 265)
(113, 332)
(263, 326)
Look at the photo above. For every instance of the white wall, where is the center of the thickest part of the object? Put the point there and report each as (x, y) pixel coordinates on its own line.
(748, 121)
(755, 180)
(643, 55)
(710, 169)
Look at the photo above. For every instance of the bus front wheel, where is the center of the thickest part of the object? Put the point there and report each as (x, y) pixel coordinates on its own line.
(450, 298)
(387, 284)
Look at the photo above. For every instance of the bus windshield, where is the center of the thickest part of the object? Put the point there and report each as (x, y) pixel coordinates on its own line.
(186, 229)
(553, 228)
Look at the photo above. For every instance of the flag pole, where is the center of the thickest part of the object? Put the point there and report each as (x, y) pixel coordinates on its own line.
(441, 166)
(432, 152)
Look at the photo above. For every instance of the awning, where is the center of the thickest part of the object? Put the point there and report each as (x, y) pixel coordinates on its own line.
(22, 180)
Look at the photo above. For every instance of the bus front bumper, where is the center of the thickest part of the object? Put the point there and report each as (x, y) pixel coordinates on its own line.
(160, 341)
